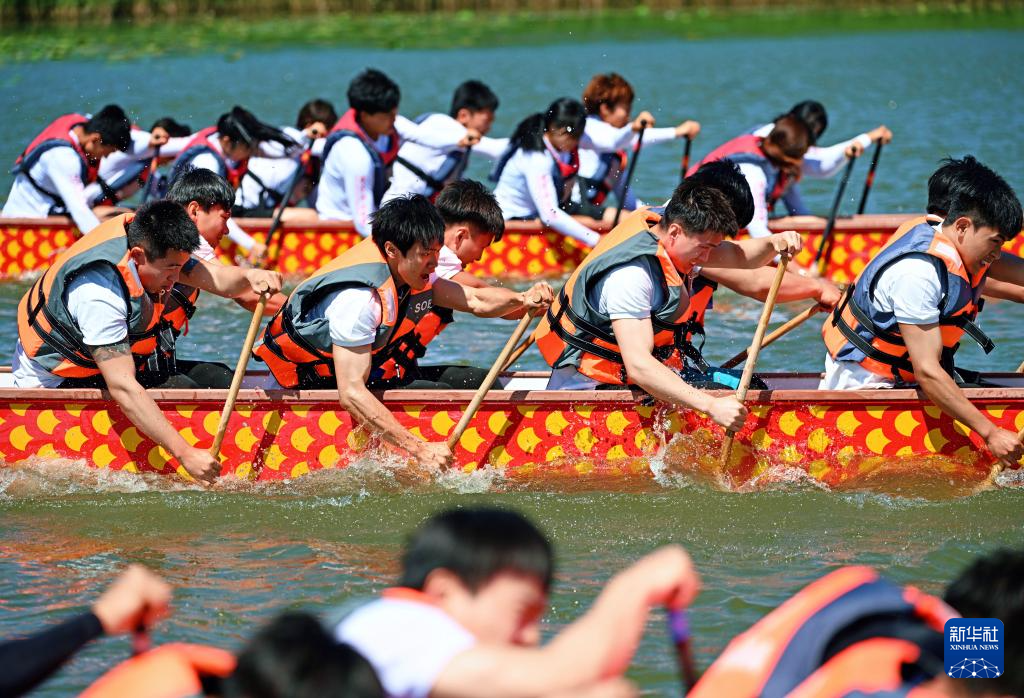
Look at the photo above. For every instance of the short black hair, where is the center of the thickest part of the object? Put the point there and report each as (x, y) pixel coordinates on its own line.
(205, 187)
(980, 194)
(406, 220)
(113, 126)
(469, 201)
(991, 587)
(474, 96)
(814, 115)
(242, 126)
(173, 128)
(700, 208)
(295, 657)
(373, 92)
(159, 226)
(316, 110)
(475, 544)
(725, 176)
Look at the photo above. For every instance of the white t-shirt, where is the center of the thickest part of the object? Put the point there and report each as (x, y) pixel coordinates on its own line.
(275, 166)
(911, 290)
(627, 291)
(98, 309)
(409, 643)
(58, 170)
(448, 263)
(345, 192)
(526, 189)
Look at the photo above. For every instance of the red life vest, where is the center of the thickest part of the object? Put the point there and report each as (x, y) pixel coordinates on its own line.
(201, 144)
(857, 330)
(56, 135)
(849, 633)
(348, 127)
(170, 671)
(748, 148)
(48, 333)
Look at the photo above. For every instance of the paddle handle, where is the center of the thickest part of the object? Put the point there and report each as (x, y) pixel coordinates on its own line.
(492, 375)
(629, 172)
(777, 333)
(1020, 369)
(870, 180)
(140, 640)
(821, 259)
(754, 350)
(519, 351)
(686, 158)
(679, 630)
(236, 380)
(275, 224)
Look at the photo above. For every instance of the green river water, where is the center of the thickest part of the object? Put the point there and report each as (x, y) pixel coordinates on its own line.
(238, 554)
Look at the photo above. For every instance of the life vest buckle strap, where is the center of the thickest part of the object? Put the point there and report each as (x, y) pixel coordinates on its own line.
(587, 346)
(972, 330)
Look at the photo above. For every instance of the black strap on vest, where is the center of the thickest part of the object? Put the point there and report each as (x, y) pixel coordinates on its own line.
(431, 181)
(59, 208)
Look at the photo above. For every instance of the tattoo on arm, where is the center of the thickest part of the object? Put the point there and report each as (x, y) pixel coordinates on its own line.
(110, 351)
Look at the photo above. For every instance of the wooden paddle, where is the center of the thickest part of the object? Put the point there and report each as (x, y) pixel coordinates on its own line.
(492, 375)
(870, 178)
(275, 224)
(629, 172)
(821, 259)
(236, 380)
(752, 352)
(147, 193)
(777, 333)
(679, 630)
(686, 158)
(1020, 369)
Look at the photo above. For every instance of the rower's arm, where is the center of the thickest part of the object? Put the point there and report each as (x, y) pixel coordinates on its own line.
(751, 253)
(230, 282)
(1008, 268)
(352, 368)
(250, 298)
(1003, 290)
(635, 338)
(118, 370)
(924, 345)
(490, 301)
(755, 283)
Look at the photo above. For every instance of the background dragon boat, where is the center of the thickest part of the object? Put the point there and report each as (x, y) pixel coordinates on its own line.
(842, 439)
(527, 250)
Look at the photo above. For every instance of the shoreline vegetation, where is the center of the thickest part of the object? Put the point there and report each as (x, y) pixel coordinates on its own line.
(39, 30)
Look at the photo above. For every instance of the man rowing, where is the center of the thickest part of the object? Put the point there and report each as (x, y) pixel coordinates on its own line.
(341, 325)
(901, 322)
(52, 172)
(93, 318)
(620, 319)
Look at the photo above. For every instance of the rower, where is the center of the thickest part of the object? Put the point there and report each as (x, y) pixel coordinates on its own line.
(341, 324)
(52, 172)
(725, 176)
(122, 174)
(537, 173)
(92, 319)
(902, 320)
(620, 318)
(821, 161)
(226, 149)
(472, 221)
(359, 151)
(466, 613)
(269, 176)
(770, 164)
(609, 136)
(443, 150)
(207, 197)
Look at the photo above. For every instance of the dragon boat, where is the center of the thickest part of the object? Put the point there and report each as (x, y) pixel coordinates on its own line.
(841, 439)
(527, 249)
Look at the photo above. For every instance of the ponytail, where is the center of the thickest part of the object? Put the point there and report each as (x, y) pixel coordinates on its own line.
(529, 134)
(242, 127)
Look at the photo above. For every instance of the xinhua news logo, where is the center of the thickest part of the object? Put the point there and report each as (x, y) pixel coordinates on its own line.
(974, 648)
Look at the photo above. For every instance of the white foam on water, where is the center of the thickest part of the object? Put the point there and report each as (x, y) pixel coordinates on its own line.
(36, 477)
(477, 481)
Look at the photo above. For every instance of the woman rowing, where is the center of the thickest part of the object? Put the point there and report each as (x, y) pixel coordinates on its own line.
(537, 173)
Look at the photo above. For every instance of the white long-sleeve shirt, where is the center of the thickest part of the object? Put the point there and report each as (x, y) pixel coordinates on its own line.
(58, 170)
(526, 189)
(275, 167)
(600, 137)
(114, 166)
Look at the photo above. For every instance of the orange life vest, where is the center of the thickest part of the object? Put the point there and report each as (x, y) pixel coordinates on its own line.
(858, 331)
(749, 149)
(348, 127)
(48, 333)
(297, 348)
(407, 349)
(170, 671)
(849, 633)
(200, 144)
(574, 333)
(56, 135)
